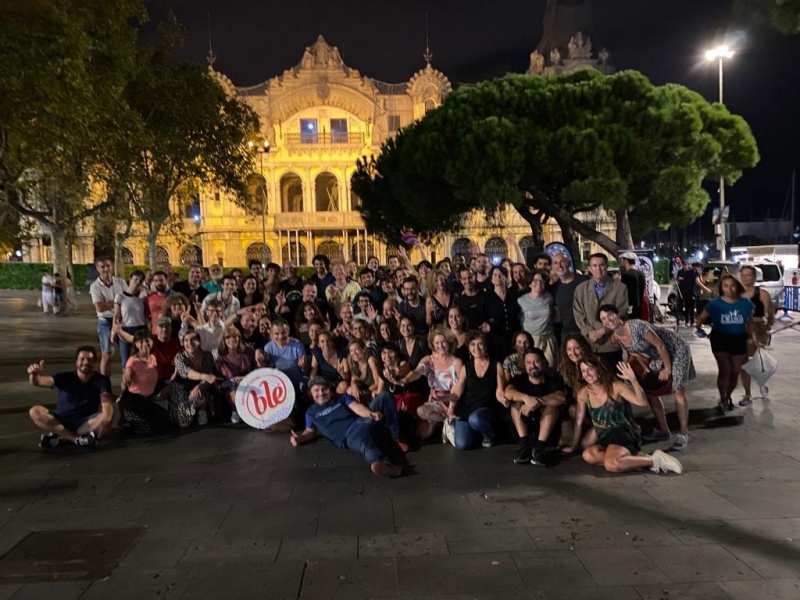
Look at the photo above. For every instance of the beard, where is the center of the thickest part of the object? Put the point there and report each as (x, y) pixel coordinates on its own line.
(536, 374)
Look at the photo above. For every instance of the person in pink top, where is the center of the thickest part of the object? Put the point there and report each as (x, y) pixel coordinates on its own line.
(141, 416)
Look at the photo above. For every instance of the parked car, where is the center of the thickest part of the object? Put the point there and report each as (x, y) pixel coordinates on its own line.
(768, 276)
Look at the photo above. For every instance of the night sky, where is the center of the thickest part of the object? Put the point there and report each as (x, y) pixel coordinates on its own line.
(473, 41)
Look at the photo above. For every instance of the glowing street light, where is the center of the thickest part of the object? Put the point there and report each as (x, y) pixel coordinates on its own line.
(721, 54)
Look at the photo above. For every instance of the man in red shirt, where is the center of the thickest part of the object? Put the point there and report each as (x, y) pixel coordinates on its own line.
(154, 303)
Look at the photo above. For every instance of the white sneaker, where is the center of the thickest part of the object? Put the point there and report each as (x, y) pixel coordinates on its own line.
(681, 441)
(235, 418)
(664, 463)
(202, 417)
(746, 401)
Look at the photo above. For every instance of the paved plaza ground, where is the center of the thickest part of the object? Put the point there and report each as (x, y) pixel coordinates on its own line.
(229, 512)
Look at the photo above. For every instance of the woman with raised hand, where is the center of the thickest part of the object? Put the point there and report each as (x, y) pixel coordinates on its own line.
(234, 361)
(439, 298)
(617, 445)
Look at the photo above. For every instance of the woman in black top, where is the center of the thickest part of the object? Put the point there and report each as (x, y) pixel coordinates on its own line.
(503, 314)
(412, 348)
(479, 383)
(763, 320)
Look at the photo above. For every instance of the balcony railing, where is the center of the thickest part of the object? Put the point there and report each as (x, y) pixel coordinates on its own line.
(335, 138)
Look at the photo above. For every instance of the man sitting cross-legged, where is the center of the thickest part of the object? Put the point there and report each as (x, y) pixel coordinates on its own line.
(348, 424)
(85, 403)
(534, 396)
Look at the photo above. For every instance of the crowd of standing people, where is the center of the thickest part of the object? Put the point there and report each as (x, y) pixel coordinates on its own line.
(385, 358)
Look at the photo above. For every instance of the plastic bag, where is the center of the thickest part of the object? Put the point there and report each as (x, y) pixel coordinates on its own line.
(761, 367)
(449, 432)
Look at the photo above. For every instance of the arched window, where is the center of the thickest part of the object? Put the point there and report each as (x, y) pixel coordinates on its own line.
(126, 255)
(496, 249)
(258, 251)
(303, 253)
(525, 243)
(162, 256)
(256, 190)
(326, 192)
(191, 255)
(359, 254)
(392, 251)
(330, 249)
(291, 193)
(463, 246)
(430, 104)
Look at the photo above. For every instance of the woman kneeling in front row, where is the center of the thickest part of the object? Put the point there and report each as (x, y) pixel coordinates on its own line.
(617, 446)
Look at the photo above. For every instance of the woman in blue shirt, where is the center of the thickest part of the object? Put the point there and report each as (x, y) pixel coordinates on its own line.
(731, 319)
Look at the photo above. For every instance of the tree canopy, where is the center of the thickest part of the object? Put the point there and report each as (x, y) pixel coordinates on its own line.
(783, 15)
(556, 146)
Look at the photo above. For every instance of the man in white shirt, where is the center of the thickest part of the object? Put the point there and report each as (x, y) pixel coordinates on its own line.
(227, 297)
(103, 291)
(210, 333)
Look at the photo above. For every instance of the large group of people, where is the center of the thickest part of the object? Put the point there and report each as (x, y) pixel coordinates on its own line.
(384, 359)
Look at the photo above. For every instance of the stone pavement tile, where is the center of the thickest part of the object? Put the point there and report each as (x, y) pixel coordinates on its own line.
(620, 504)
(593, 593)
(402, 544)
(245, 578)
(467, 574)
(686, 479)
(356, 516)
(60, 590)
(349, 579)
(155, 553)
(620, 566)
(544, 570)
(271, 492)
(763, 499)
(599, 478)
(19, 491)
(602, 535)
(767, 457)
(421, 512)
(90, 492)
(167, 487)
(698, 460)
(184, 520)
(325, 492)
(198, 555)
(753, 474)
(524, 507)
(296, 476)
(687, 564)
(775, 530)
(473, 541)
(710, 531)
(771, 560)
(696, 502)
(254, 519)
(684, 591)
(8, 590)
(320, 548)
(775, 589)
(164, 584)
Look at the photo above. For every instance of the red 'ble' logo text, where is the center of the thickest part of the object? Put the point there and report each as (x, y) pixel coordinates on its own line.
(274, 394)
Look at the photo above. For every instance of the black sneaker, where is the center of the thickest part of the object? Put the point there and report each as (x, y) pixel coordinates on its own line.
(523, 456)
(49, 440)
(538, 458)
(87, 441)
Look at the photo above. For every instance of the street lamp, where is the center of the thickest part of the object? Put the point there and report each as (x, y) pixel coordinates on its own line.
(262, 149)
(720, 54)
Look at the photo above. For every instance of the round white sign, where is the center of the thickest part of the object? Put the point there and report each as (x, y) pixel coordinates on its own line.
(264, 397)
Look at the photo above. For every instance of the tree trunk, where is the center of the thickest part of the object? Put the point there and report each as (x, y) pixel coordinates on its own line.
(58, 242)
(624, 234)
(152, 246)
(537, 232)
(118, 268)
(570, 241)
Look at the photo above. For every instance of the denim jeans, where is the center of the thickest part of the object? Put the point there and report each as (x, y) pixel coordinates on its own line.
(126, 349)
(366, 437)
(480, 421)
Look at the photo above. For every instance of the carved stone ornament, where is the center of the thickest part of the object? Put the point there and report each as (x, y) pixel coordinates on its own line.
(555, 57)
(604, 55)
(580, 46)
(537, 64)
(323, 89)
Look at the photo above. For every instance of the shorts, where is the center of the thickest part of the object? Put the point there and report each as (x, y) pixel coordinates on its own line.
(104, 334)
(728, 343)
(73, 422)
(620, 436)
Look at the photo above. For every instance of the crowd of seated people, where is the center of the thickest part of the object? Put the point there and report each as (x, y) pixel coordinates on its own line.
(465, 352)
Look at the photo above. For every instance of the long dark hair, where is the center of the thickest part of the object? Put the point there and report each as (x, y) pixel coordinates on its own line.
(603, 375)
(569, 370)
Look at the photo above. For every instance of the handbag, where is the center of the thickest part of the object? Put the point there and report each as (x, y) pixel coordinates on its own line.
(449, 432)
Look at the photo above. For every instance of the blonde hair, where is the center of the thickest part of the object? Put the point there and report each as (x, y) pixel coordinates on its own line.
(229, 331)
(452, 340)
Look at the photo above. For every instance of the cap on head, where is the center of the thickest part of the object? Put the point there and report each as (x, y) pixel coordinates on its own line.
(629, 255)
(318, 381)
(163, 321)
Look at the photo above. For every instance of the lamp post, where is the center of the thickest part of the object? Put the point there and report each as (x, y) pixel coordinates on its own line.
(262, 149)
(719, 54)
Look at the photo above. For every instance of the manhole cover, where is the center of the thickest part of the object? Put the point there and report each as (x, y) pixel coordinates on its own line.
(88, 554)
